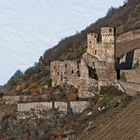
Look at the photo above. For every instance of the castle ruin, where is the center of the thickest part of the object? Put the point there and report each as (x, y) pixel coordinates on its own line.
(96, 68)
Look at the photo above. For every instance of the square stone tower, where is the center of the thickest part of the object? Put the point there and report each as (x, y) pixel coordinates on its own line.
(108, 34)
(91, 43)
(103, 50)
(108, 44)
(91, 40)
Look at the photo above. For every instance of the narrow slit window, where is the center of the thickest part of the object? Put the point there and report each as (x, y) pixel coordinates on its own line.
(78, 73)
(72, 71)
(95, 52)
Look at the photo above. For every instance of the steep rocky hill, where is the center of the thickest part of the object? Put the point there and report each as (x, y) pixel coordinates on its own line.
(34, 80)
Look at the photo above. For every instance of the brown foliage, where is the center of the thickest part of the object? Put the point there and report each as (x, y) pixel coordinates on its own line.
(56, 133)
(26, 136)
(34, 88)
(2, 137)
(72, 96)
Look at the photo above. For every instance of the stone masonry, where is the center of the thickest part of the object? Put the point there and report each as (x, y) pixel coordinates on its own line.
(98, 63)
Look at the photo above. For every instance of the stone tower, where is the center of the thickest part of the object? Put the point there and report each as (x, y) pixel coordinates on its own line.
(91, 41)
(103, 50)
(108, 34)
(108, 44)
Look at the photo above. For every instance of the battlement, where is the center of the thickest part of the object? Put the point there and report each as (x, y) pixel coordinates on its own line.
(108, 34)
(102, 47)
(92, 39)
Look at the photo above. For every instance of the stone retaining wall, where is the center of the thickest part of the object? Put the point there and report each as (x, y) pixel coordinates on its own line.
(11, 99)
(76, 106)
(23, 99)
(42, 106)
(132, 89)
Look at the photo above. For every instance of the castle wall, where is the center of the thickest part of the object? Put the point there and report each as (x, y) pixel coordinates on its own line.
(107, 73)
(107, 53)
(65, 72)
(76, 106)
(96, 64)
(136, 57)
(108, 35)
(80, 80)
(132, 76)
(11, 99)
(24, 99)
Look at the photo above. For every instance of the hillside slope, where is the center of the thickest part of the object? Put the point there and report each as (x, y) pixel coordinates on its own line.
(125, 125)
(124, 18)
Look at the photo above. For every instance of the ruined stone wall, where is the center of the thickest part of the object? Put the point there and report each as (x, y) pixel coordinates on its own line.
(80, 80)
(107, 73)
(132, 75)
(35, 105)
(136, 58)
(23, 99)
(103, 52)
(98, 63)
(11, 99)
(88, 88)
(76, 106)
(107, 53)
(132, 89)
(65, 72)
(104, 70)
(83, 71)
(89, 59)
